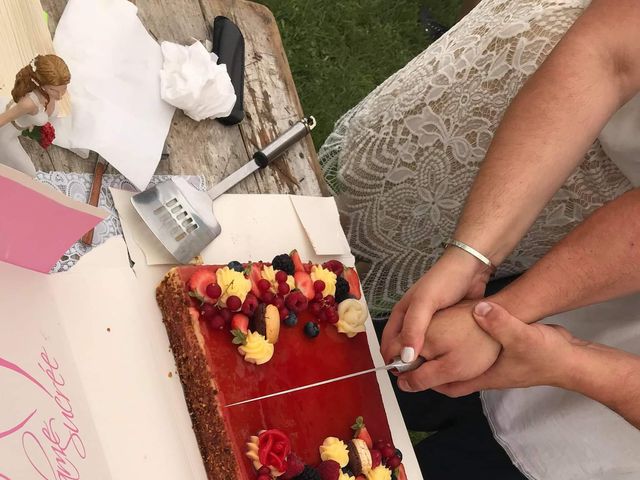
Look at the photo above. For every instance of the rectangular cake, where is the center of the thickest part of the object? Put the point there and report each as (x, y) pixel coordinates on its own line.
(241, 331)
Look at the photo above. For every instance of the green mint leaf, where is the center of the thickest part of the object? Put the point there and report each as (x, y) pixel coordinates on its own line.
(239, 338)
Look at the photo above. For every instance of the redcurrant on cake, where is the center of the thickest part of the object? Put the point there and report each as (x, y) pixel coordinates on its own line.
(241, 331)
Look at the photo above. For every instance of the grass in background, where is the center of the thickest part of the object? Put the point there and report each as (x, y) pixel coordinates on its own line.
(340, 50)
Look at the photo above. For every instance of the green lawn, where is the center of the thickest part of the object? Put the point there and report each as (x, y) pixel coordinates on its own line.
(340, 50)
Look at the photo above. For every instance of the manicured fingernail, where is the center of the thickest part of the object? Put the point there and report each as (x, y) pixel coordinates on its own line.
(404, 385)
(482, 309)
(407, 354)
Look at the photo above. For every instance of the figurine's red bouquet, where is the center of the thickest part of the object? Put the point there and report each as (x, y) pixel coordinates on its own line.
(44, 135)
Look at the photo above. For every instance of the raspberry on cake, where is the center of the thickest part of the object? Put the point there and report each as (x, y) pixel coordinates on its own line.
(242, 331)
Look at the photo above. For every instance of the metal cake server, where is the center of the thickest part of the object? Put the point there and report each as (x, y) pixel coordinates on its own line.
(182, 217)
(397, 364)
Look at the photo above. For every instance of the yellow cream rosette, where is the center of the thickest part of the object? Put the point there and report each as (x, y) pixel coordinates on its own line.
(256, 349)
(327, 276)
(232, 283)
(379, 473)
(334, 449)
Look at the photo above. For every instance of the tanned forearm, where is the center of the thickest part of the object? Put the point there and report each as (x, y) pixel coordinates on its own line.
(609, 376)
(551, 123)
(598, 261)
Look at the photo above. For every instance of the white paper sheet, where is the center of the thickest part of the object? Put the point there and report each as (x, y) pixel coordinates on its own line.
(115, 87)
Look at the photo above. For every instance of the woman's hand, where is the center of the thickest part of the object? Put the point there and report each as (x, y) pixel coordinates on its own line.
(531, 355)
(456, 276)
(456, 349)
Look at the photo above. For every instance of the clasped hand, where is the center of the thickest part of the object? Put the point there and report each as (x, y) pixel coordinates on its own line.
(478, 345)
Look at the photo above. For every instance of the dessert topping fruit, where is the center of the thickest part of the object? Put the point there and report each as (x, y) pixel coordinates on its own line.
(297, 262)
(255, 349)
(326, 276)
(360, 431)
(311, 329)
(335, 266)
(239, 322)
(269, 274)
(285, 263)
(352, 317)
(291, 320)
(342, 289)
(351, 276)
(329, 470)
(235, 265)
(199, 282)
(304, 284)
(335, 449)
(295, 467)
(296, 301)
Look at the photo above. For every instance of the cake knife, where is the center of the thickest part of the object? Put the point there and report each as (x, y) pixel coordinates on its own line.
(397, 364)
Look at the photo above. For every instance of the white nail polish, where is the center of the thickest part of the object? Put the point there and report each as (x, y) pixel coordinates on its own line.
(407, 354)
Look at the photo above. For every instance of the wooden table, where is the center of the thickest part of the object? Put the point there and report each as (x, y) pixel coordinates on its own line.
(209, 148)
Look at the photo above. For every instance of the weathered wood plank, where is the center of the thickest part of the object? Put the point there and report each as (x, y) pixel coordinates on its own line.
(207, 147)
(271, 100)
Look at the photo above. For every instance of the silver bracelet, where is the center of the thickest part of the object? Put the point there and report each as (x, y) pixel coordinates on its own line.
(470, 251)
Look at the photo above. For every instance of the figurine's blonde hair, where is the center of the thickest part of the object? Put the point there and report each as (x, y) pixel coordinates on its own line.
(43, 70)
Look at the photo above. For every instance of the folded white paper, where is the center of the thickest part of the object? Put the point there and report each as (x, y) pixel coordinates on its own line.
(192, 80)
(115, 87)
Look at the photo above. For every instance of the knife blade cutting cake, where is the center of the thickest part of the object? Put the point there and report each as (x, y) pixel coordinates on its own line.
(246, 330)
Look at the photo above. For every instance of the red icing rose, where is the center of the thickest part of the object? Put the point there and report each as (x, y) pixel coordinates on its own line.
(273, 449)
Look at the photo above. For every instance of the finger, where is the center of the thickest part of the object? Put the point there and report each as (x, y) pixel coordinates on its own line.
(431, 374)
(388, 347)
(498, 323)
(415, 324)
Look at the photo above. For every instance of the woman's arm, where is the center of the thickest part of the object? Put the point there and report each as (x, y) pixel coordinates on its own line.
(24, 107)
(544, 134)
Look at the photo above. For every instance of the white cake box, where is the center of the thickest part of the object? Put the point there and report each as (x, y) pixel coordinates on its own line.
(121, 413)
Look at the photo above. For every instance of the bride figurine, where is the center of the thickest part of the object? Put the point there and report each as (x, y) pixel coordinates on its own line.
(38, 87)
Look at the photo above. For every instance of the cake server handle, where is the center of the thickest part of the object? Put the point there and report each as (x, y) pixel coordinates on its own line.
(396, 364)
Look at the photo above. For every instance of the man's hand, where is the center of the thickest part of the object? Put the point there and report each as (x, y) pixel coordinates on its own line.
(456, 276)
(456, 348)
(531, 355)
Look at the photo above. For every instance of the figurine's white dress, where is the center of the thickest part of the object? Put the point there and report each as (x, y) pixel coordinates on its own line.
(11, 152)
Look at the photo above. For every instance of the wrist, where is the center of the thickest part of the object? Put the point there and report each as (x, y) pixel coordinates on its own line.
(454, 256)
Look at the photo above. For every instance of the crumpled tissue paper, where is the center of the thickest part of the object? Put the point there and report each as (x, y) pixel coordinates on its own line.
(192, 80)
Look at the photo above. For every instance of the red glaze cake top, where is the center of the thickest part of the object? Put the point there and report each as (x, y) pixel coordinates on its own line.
(307, 334)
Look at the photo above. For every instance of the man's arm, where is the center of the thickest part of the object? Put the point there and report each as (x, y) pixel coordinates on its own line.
(598, 261)
(549, 355)
(609, 376)
(544, 134)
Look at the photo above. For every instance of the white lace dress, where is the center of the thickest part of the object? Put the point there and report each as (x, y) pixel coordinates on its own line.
(11, 152)
(402, 161)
